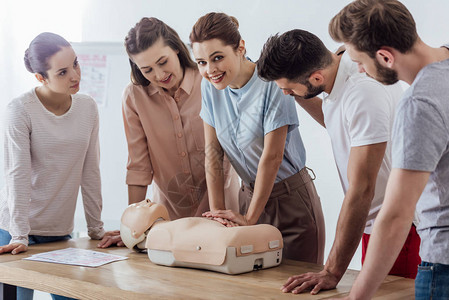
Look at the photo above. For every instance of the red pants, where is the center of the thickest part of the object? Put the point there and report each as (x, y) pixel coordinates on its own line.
(406, 265)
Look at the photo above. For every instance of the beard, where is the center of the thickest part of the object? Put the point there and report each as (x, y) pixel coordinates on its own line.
(312, 91)
(384, 75)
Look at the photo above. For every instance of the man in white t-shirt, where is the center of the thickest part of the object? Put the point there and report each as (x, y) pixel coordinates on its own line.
(358, 114)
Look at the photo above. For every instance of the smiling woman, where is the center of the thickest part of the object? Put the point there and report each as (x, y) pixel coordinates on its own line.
(256, 126)
(160, 65)
(164, 132)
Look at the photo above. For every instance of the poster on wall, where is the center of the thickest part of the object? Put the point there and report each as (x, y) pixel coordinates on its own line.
(94, 76)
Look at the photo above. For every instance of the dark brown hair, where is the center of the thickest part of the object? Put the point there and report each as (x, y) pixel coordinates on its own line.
(144, 35)
(216, 26)
(372, 24)
(294, 55)
(41, 48)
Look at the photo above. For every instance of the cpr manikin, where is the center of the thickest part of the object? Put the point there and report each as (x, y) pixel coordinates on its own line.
(199, 242)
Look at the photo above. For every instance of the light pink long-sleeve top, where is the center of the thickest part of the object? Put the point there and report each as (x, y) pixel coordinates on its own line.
(47, 159)
(166, 147)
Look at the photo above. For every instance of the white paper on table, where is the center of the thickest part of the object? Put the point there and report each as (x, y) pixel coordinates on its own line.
(77, 257)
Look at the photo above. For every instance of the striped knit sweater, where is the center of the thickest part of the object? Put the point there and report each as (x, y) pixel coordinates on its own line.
(47, 159)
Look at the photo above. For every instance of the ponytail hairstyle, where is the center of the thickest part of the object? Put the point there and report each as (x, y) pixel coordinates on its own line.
(147, 32)
(216, 26)
(41, 48)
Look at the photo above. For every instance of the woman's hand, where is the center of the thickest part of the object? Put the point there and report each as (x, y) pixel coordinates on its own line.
(111, 238)
(224, 222)
(228, 217)
(14, 248)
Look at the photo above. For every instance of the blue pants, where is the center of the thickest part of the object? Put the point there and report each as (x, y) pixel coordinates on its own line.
(432, 281)
(5, 238)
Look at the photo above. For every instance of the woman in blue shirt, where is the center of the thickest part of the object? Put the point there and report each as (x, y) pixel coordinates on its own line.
(256, 125)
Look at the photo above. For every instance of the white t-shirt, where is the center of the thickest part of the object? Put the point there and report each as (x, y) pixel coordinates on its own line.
(360, 111)
(47, 159)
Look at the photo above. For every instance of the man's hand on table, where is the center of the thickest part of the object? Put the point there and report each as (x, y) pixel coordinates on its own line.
(111, 238)
(14, 248)
(323, 280)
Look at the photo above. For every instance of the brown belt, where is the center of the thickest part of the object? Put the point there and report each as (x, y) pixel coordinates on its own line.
(288, 184)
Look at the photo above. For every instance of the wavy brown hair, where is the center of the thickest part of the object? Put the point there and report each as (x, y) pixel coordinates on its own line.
(144, 35)
(372, 24)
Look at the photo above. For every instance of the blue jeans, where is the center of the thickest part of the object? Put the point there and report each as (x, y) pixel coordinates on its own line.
(5, 238)
(432, 281)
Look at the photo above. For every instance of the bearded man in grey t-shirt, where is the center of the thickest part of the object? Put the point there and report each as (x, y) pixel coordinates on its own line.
(380, 35)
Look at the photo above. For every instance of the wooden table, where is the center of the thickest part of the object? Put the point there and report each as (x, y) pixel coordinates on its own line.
(138, 278)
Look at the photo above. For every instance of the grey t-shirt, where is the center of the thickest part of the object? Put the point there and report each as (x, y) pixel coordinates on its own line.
(421, 142)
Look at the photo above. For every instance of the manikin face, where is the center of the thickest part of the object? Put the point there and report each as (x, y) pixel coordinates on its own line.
(160, 65)
(218, 63)
(305, 91)
(372, 67)
(141, 215)
(144, 204)
(64, 74)
(137, 219)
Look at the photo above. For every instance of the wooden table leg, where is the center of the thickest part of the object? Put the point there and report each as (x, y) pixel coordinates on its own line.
(8, 292)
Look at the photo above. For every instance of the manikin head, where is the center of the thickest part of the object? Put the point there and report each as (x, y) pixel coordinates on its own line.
(137, 219)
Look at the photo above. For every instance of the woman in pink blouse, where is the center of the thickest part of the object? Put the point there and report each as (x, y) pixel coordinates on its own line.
(164, 131)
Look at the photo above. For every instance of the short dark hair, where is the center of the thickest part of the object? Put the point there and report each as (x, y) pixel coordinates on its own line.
(216, 25)
(41, 48)
(371, 24)
(144, 35)
(294, 55)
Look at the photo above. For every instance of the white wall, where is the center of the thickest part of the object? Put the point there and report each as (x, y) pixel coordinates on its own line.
(110, 20)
